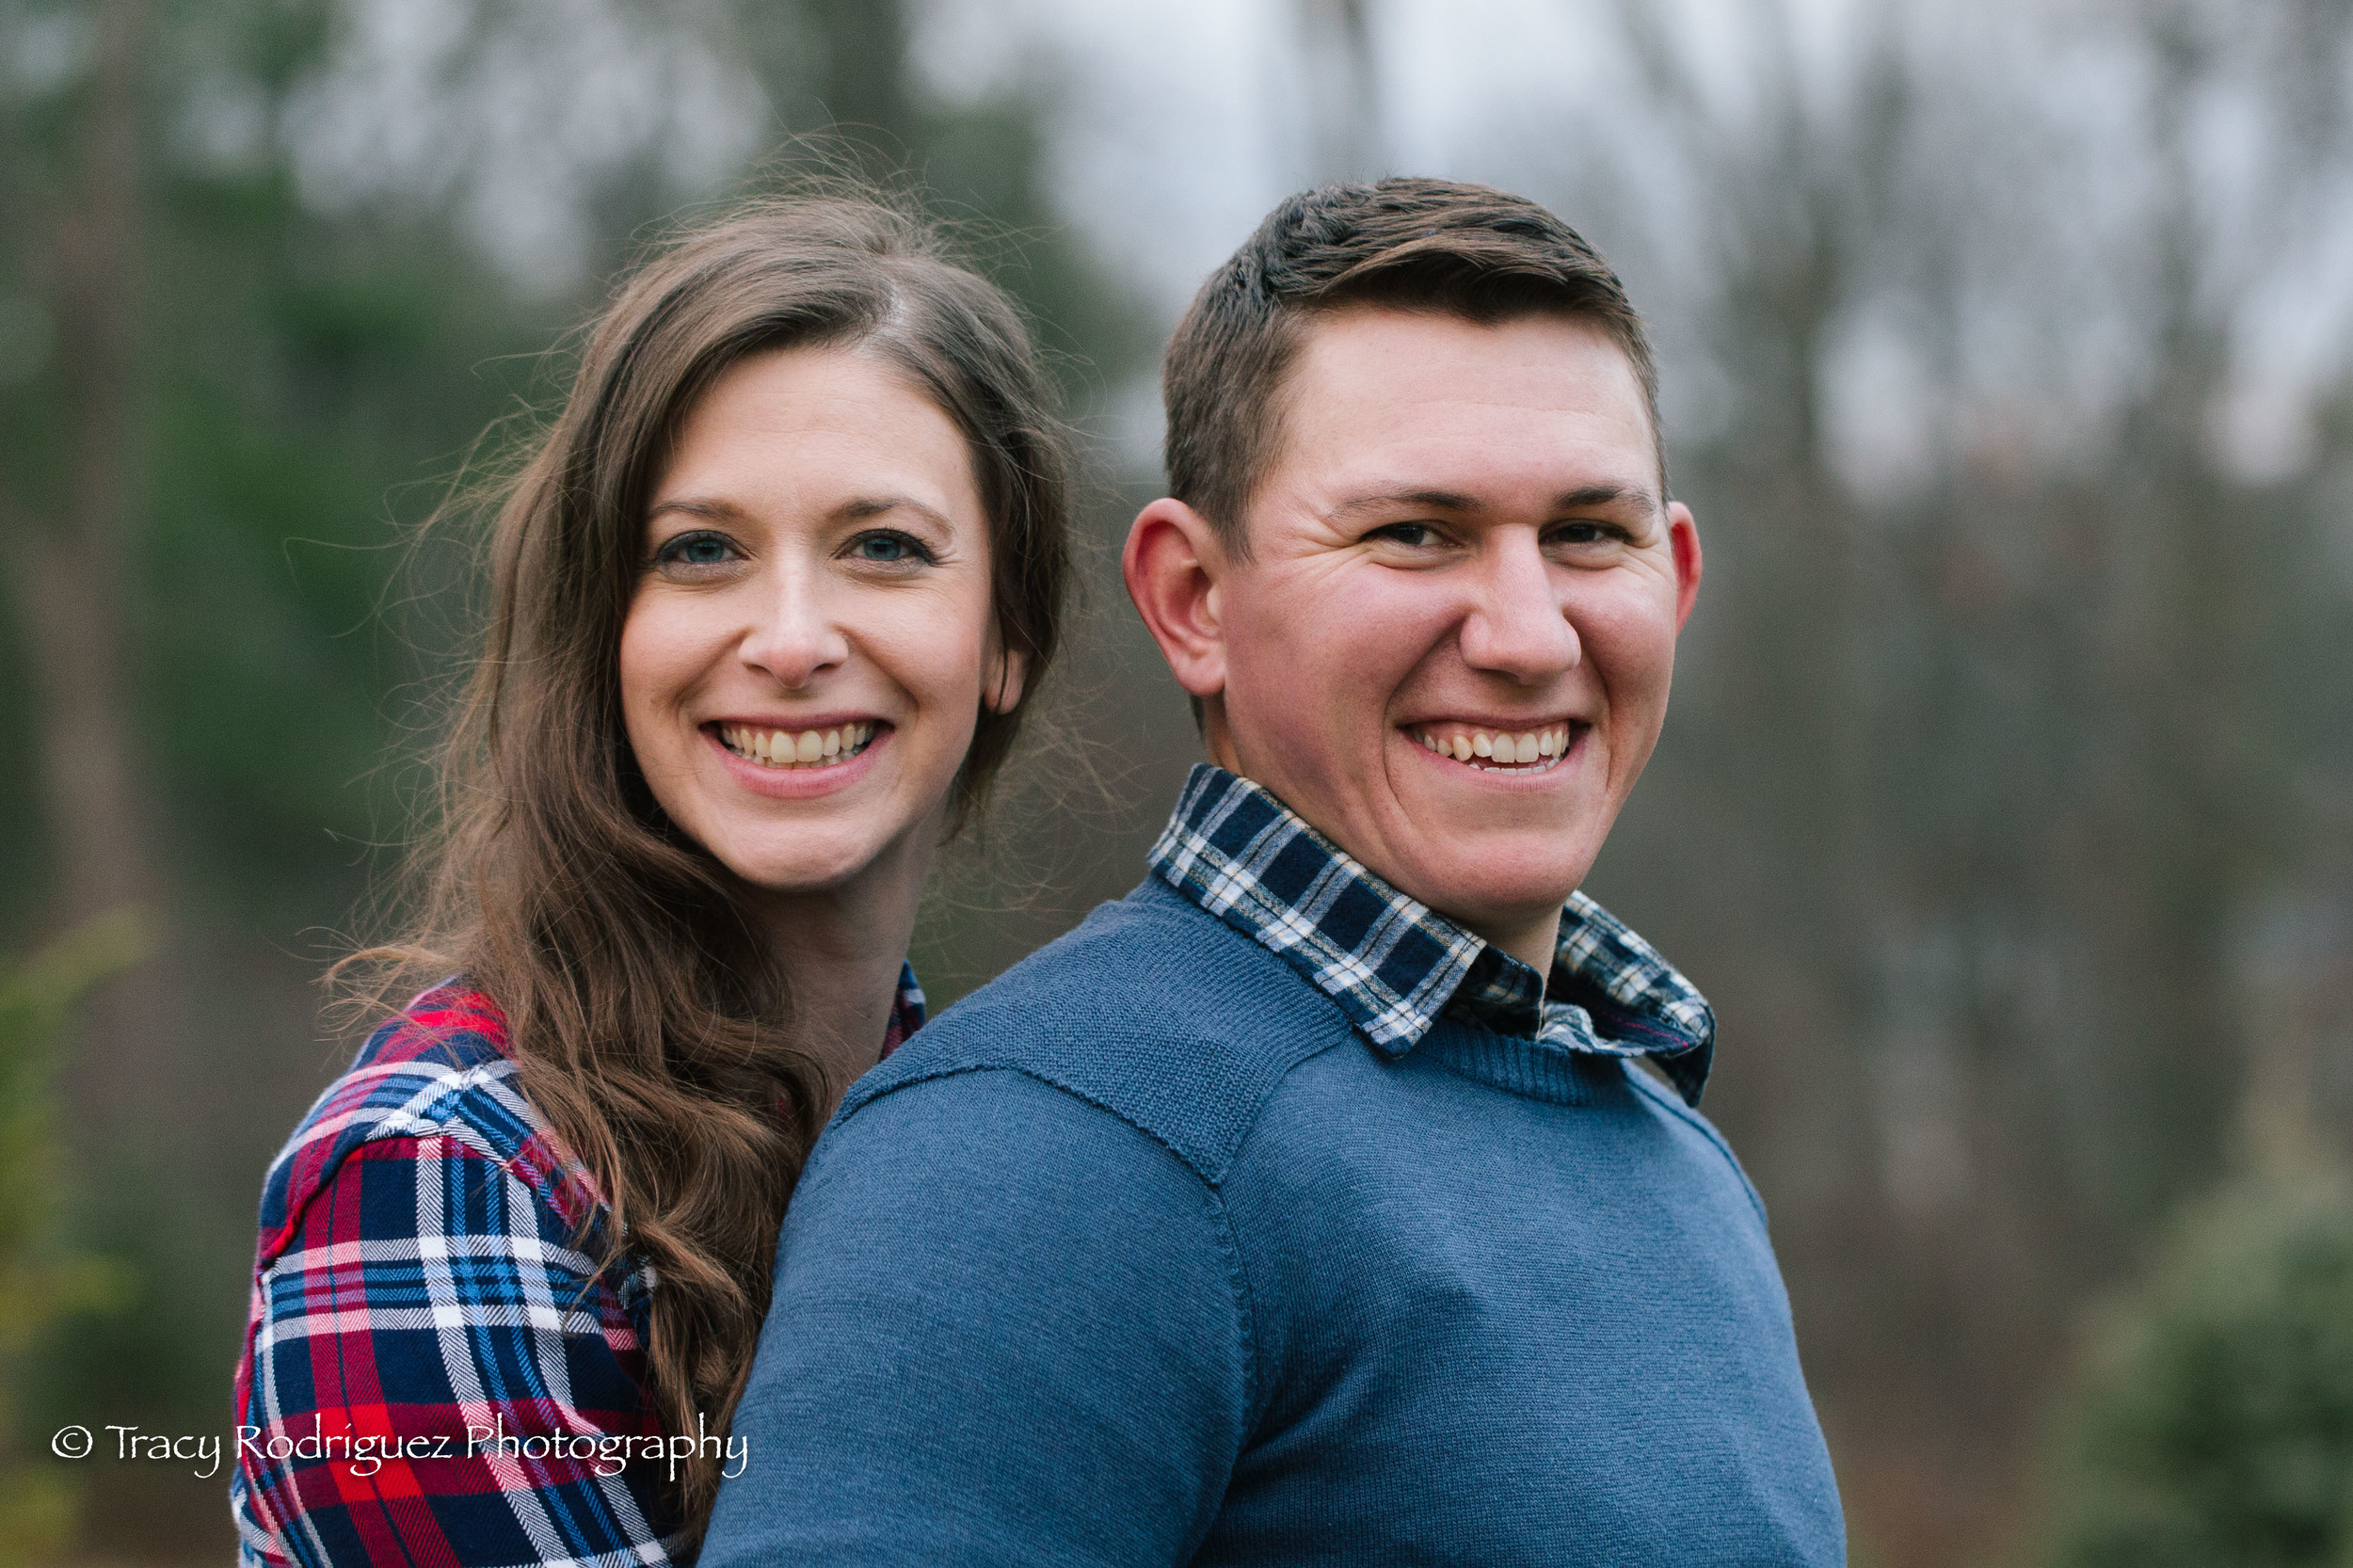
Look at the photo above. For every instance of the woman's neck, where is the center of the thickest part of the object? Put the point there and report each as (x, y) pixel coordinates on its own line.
(840, 950)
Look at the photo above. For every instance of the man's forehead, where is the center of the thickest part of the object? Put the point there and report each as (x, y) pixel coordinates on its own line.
(1386, 340)
(1389, 402)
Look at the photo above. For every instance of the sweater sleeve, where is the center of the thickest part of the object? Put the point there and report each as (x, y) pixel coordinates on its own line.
(432, 1376)
(1007, 1329)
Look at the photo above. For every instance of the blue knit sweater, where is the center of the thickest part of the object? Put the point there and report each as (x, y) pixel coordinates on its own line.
(1142, 1256)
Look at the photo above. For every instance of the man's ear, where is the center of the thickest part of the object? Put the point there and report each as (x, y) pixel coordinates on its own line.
(1175, 568)
(1683, 536)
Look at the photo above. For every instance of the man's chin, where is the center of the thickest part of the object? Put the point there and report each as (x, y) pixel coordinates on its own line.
(1468, 890)
(1537, 813)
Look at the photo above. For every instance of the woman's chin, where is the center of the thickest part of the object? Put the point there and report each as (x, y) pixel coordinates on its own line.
(800, 874)
(821, 862)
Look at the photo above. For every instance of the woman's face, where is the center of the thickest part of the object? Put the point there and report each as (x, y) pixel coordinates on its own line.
(811, 637)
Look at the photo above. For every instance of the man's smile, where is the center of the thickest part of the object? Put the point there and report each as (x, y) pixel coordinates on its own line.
(1500, 749)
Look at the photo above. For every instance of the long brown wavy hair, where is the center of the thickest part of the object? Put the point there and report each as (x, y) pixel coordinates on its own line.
(649, 1022)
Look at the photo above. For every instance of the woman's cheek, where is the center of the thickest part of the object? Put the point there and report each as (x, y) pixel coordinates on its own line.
(658, 653)
(936, 646)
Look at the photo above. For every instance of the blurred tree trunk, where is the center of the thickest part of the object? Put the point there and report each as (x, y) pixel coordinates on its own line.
(1343, 72)
(76, 572)
(864, 83)
(834, 67)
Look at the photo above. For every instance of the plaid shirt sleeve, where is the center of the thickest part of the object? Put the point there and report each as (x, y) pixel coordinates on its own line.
(436, 1374)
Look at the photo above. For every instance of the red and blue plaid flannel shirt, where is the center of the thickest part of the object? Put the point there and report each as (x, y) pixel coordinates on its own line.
(435, 1369)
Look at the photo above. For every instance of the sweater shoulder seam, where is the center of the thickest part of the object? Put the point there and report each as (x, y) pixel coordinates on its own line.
(1246, 1313)
(1659, 1095)
(1212, 1193)
(957, 1069)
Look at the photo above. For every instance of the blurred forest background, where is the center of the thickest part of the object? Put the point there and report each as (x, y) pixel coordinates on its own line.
(2005, 810)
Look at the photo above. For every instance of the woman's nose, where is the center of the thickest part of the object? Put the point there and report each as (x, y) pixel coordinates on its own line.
(795, 638)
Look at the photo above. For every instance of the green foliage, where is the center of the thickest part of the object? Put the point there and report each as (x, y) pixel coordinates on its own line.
(319, 387)
(39, 1289)
(2216, 1427)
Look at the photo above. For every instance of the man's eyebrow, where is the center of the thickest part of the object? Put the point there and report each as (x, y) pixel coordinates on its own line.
(1436, 500)
(1606, 495)
(1584, 496)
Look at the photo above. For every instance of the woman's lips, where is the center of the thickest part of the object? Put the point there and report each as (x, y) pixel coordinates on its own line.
(854, 757)
(820, 747)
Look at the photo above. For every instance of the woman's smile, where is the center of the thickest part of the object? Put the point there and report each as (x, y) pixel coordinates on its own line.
(817, 745)
(766, 760)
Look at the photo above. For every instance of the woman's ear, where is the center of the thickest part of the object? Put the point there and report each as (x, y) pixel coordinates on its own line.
(1008, 668)
(1172, 565)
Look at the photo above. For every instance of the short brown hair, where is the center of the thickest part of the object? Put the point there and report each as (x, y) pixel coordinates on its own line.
(1408, 244)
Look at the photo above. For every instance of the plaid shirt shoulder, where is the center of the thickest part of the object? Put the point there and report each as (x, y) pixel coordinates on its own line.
(1395, 965)
(427, 1264)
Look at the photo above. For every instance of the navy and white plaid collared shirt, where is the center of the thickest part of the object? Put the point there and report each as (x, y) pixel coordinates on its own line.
(1395, 965)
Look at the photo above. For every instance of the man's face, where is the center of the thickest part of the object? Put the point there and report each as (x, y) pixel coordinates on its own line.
(1451, 649)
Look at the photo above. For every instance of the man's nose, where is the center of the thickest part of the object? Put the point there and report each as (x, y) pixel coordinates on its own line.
(1516, 626)
(796, 635)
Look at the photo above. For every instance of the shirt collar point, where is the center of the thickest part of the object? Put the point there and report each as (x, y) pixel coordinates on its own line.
(1230, 849)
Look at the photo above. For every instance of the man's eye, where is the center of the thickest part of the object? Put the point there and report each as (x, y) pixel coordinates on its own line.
(699, 549)
(889, 547)
(1414, 536)
(1584, 533)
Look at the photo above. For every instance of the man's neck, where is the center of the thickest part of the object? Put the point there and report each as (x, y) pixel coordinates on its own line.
(1532, 942)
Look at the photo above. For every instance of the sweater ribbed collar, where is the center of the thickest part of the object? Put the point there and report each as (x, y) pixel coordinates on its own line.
(1395, 965)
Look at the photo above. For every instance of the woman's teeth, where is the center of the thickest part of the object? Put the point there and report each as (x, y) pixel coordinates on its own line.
(1532, 749)
(797, 748)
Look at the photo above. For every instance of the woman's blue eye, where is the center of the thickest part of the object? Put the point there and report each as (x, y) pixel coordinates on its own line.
(695, 550)
(888, 548)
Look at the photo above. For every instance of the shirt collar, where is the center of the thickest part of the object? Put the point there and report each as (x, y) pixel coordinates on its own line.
(1395, 965)
(907, 1009)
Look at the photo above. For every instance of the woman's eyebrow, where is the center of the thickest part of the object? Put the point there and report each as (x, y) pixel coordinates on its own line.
(695, 506)
(876, 506)
(709, 510)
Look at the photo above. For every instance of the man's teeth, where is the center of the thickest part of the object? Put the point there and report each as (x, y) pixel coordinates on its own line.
(1483, 748)
(797, 748)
